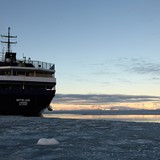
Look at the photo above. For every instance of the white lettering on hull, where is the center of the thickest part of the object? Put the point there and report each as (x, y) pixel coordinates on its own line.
(23, 102)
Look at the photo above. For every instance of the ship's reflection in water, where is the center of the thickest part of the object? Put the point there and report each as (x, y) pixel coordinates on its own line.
(132, 116)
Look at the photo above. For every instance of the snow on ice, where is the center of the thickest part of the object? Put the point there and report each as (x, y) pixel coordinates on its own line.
(47, 141)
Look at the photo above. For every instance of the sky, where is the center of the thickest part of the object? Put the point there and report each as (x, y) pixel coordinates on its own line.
(98, 46)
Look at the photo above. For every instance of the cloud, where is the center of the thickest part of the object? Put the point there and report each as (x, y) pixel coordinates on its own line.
(141, 66)
(122, 64)
(90, 99)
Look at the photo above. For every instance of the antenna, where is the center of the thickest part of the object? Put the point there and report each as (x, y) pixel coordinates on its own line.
(8, 42)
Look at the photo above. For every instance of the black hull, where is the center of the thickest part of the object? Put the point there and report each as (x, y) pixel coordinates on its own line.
(25, 102)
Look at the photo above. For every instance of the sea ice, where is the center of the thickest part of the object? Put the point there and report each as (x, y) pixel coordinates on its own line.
(47, 141)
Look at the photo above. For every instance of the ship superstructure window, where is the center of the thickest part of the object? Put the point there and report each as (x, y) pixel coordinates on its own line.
(26, 72)
(21, 73)
(5, 72)
(24, 85)
(11, 85)
(38, 86)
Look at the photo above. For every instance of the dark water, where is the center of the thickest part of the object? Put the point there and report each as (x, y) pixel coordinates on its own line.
(79, 138)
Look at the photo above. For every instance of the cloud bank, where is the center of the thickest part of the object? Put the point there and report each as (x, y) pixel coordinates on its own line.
(92, 99)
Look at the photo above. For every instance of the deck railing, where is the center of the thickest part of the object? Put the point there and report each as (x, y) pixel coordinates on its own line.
(40, 64)
(36, 64)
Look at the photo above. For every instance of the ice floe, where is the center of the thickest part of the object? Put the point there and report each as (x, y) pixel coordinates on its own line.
(47, 141)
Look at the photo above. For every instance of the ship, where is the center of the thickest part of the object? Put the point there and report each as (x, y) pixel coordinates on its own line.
(27, 86)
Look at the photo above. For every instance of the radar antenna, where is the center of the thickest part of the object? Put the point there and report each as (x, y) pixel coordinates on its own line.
(8, 42)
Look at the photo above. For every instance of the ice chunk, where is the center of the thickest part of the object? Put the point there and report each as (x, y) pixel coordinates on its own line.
(47, 141)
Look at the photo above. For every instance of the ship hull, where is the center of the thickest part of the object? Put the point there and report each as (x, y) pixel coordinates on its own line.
(25, 102)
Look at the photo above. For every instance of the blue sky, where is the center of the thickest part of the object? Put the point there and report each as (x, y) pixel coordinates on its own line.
(98, 46)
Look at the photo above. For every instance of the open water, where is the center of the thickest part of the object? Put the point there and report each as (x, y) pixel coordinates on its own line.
(80, 138)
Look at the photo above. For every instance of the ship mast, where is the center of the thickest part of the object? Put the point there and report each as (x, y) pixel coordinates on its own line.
(9, 41)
